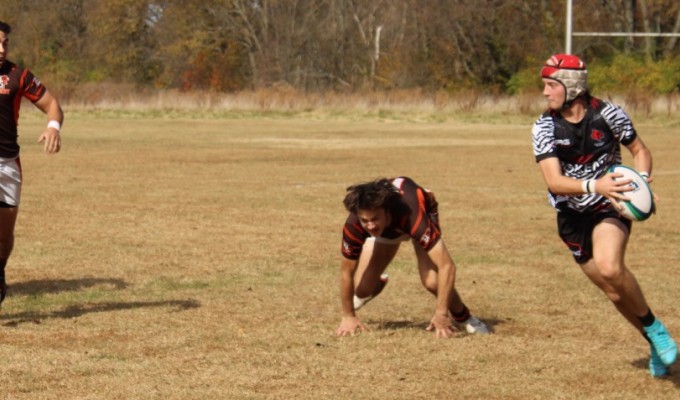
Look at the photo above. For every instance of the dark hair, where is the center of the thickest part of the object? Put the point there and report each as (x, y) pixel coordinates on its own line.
(4, 26)
(379, 193)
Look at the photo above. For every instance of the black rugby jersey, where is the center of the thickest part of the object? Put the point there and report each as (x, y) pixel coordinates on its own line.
(416, 215)
(15, 83)
(585, 150)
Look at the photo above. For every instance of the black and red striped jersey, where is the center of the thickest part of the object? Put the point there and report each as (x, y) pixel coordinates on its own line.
(585, 150)
(15, 83)
(415, 215)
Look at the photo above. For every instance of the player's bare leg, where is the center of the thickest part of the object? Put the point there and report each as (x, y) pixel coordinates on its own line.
(591, 270)
(8, 217)
(608, 271)
(459, 311)
(369, 279)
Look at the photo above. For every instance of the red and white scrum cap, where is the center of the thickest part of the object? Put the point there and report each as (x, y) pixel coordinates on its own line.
(570, 71)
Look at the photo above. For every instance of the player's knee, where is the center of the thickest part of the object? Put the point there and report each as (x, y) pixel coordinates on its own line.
(610, 271)
(364, 290)
(431, 285)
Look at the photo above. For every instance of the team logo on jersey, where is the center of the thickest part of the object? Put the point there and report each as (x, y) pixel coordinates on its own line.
(35, 83)
(598, 136)
(584, 159)
(426, 237)
(4, 83)
(575, 249)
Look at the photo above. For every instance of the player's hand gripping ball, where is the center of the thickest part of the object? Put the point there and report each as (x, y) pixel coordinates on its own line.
(641, 203)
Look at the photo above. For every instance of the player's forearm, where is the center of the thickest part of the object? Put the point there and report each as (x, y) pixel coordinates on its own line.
(50, 106)
(55, 113)
(347, 269)
(560, 184)
(445, 283)
(643, 161)
(563, 185)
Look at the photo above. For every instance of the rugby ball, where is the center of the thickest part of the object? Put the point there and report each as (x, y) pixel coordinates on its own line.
(641, 204)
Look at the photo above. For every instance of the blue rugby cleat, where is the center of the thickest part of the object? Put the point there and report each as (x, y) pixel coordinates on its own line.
(662, 342)
(656, 367)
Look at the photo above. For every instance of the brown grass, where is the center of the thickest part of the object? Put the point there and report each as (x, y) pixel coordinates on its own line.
(197, 257)
(400, 103)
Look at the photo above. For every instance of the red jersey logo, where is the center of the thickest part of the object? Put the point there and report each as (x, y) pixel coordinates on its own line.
(597, 135)
(4, 83)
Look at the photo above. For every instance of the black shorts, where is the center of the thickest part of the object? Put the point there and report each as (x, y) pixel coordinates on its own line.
(576, 230)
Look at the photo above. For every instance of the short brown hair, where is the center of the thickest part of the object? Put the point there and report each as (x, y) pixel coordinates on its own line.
(4, 27)
(379, 193)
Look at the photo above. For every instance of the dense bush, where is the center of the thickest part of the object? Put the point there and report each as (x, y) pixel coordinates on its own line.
(630, 73)
(621, 74)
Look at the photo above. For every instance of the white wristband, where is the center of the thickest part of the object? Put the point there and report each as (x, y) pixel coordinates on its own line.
(645, 175)
(54, 124)
(585, 186)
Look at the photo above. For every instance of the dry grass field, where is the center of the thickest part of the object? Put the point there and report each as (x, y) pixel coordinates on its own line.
(196, 257)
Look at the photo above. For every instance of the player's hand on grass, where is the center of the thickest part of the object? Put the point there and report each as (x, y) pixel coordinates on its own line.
(441, 324)
(349, 326)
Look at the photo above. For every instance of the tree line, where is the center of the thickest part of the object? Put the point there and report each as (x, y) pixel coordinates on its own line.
(311, 45)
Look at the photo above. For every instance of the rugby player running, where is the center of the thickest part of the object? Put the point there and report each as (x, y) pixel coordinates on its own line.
(575, 142)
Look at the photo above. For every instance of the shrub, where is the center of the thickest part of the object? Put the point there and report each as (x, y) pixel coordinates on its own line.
(525, 81)
(627, 73)
(623, 74)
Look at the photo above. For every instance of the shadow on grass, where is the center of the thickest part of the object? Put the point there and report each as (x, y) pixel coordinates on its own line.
(396, 325)
(78, 310)
(44, 286)
(673, 376)
(405, 324)
(35, 287)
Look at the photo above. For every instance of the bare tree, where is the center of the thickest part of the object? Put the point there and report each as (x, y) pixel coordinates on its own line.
(318, 44)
